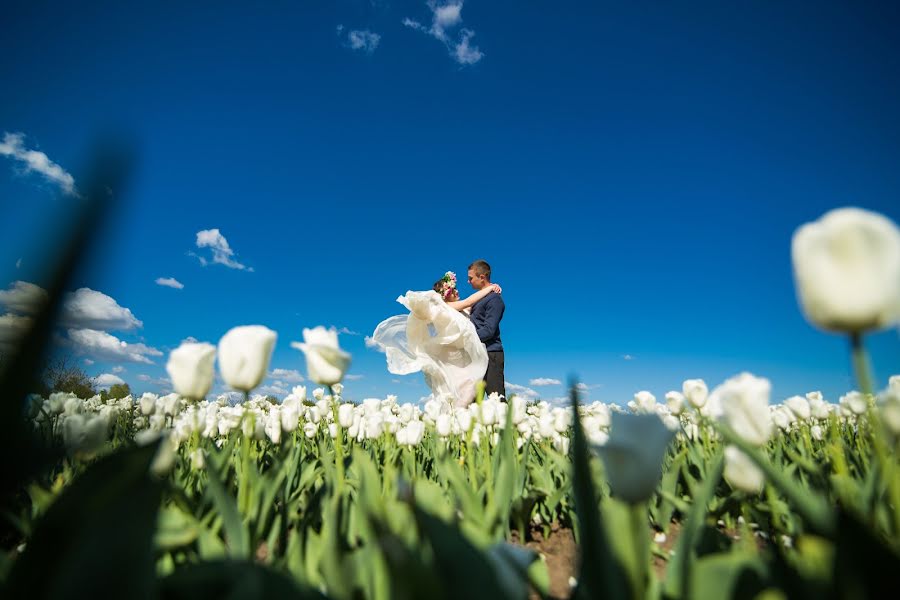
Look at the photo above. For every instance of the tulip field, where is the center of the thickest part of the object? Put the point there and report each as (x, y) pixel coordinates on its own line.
(385, 500)
(721, 492)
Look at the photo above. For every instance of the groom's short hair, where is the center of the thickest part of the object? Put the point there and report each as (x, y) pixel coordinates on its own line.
(481, 267)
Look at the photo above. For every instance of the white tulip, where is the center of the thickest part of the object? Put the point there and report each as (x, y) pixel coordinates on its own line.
(645, 402)
(741, 472)
(326, 363)
(695, 391)
(84, 435)
(847, 270)
(799, 406)
(675, 402)
(816, 432)
(442, 425)
(889, 405)
(854, 402)
(244, 354)
(464, 418)
(633, 455)
(744, 400)
(345, 415)
(191, 367)
(290, 416)
(337, 388)
(309, 430)
(894, 383)
(198, 459)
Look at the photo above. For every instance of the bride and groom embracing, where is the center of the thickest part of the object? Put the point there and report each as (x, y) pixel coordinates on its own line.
(454, 343)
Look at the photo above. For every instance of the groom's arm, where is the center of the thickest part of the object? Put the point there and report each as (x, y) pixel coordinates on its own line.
(493, 312)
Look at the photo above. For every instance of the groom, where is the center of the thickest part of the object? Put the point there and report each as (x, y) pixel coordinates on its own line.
(486, 315)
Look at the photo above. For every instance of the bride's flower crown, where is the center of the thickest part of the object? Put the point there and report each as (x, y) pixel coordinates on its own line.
(448, 284)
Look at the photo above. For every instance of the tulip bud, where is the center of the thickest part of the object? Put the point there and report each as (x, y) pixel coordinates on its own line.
(741, 472)
(326, 363)
(695, 391)
(633, 455)
(744, 400)
(191, 368)
(244, 354)
(847, 270)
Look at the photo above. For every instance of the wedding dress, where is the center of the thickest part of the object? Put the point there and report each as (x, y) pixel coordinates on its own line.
(437, 340)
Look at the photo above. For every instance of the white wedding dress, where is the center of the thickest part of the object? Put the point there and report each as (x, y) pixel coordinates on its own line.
(437, 340)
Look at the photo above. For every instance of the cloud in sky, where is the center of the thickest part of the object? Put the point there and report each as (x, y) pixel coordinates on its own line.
(345, 330)
(118, 369)
(89, 309)
(353, 377)
(544, 381)
(107, 379)
(105, 346)
(13, 146)
(170, 282)
(12, 328)
(627, 357)
(521, 390)
(222, 253)
(23, 297)
(82, 309)
(360, 39)
(446, 16)
(288, 375)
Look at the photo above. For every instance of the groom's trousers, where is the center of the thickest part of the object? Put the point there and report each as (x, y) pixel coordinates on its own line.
(494, 380)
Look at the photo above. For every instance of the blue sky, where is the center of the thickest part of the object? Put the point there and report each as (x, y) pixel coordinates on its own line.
(633, 171)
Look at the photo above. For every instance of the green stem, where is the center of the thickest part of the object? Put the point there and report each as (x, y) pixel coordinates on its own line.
(338, 443)
(641, 537)
(860, 363)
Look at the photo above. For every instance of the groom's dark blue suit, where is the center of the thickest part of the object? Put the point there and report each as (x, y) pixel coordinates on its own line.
(486, 315)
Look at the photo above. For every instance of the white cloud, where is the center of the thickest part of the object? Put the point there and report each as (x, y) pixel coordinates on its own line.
(170, 282)
(89, 309)
(582, 387)
(278, 388)
(107, 379)
(445, 16)
(627, 357)
(13, 146)
(82, 309)
(118, 369)
(88, 362)
(360, 39)
(23, 297)
(544, 381)
(143, 377)
(221, 251)
(12, 328)
(190, 340)
(19, 263)
(288, 375)
(345, 330)
(521, 390)
(353, 377)
(104, 346)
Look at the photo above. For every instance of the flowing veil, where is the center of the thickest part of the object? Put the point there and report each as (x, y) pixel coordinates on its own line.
(437, 340)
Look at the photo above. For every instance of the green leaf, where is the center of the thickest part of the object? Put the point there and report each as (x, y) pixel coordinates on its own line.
(175, 528)
(729, 575)
(97, 536)
(601, 574)
(236, 535)
(464, 571)
(231, 580)
(512, 565)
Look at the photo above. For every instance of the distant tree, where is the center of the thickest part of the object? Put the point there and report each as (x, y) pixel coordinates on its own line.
(64, 375)
(119, 390)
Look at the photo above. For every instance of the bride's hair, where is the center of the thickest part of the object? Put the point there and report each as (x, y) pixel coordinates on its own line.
(446, 285)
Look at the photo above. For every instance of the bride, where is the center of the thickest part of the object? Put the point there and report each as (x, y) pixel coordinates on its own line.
(437, 338)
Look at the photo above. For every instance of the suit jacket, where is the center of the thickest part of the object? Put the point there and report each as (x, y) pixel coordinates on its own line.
(486, 315)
